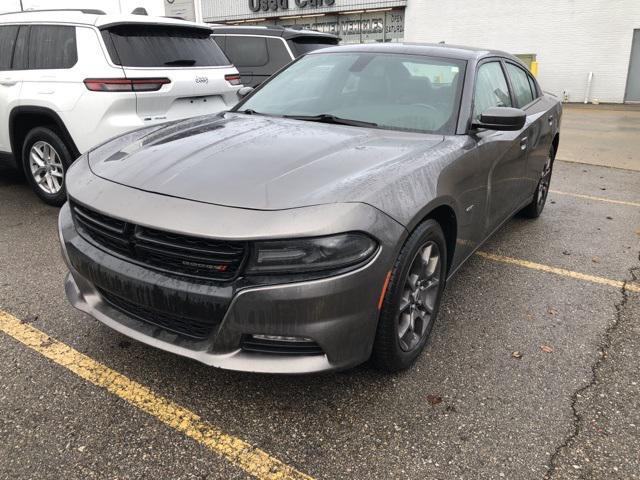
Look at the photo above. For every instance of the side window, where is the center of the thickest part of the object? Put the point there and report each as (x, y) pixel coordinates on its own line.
(20, 53)
(491, 88)
(221, 41)
(52, 47)
(8, 36)
(247, 51)
(278, 54)
(520, 84)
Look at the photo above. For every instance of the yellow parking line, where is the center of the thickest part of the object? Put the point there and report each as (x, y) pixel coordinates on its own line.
(252, 460)
(599, 199)
(560, 271)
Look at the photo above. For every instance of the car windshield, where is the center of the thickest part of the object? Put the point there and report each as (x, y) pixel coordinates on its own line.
(400, 92)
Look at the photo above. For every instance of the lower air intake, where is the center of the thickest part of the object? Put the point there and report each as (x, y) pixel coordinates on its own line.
(274, 345)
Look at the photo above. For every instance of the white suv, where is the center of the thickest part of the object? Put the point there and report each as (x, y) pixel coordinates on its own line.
(69, 80)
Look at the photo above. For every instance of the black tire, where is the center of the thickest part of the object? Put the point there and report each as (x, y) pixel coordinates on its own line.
(47, 136)
(535, 208)
(390, 352)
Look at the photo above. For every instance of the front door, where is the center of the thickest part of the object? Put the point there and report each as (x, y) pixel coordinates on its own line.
(503, 153)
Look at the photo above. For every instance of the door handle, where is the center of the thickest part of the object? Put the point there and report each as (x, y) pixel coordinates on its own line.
(550, 119)
(523, 143)
(7, 82)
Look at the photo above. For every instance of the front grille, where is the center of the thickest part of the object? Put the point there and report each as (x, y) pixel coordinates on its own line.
(165, 251)
(189, 327)
(277, 347)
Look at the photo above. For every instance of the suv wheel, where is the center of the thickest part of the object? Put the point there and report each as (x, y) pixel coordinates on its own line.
(45, 159)
(411, 303)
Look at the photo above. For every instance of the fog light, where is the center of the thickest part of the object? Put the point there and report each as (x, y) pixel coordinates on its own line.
(278, 338)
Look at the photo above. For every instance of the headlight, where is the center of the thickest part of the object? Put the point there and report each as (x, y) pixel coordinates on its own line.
(310, 254)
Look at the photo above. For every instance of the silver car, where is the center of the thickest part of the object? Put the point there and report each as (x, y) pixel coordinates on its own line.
(313, 226)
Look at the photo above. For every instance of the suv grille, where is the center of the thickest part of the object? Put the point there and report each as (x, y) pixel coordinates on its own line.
(178, 324)
(169, 252)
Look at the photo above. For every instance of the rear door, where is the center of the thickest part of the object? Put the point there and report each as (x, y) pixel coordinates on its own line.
(180, 71)
(256, 57)
(539, 126)
(9, 83)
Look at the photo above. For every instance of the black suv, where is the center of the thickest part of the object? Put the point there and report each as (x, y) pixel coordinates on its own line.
(259, 52)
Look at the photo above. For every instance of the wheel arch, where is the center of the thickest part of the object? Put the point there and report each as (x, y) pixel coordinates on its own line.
(22, 119)
(442, 211)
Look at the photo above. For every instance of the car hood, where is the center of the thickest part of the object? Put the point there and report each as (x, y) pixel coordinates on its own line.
(256, 162)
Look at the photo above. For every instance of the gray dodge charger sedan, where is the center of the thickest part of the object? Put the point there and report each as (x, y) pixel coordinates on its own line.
(313, 226)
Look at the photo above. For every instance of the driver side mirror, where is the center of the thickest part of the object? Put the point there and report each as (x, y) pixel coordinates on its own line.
(244, 91)
(501, 118)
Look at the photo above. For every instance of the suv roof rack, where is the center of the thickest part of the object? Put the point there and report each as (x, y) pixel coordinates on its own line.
(88, 11)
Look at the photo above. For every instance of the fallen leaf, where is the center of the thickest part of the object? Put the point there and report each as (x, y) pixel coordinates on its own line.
(551, 311)
(81, 449)
(434, 399)
(516, 354)
(595, 260)
(546, 348)
(609, 218)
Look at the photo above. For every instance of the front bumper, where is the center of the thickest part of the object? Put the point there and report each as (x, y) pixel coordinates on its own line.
(339, 313)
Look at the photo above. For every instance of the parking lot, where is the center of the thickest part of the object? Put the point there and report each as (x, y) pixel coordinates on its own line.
(531, 371)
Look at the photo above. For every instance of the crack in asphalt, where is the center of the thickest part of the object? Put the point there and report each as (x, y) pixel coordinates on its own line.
(595, 367)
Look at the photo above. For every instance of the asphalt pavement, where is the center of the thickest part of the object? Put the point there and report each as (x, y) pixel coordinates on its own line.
(566, 405)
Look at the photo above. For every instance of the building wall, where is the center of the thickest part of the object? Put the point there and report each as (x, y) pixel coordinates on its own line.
(225, 10)
(570, 38)
(181, 8)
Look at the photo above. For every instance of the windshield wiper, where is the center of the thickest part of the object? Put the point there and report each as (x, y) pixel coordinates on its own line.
(328, 118)
(182, 62)
(248, 111)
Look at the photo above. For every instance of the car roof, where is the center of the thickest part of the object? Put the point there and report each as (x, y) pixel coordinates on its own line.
(91, 17)
(270, 31)
(458, 52)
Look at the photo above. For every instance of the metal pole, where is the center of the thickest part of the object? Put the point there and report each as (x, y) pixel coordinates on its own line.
(21, 7)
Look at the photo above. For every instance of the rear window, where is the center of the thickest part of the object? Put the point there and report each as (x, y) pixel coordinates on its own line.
(162, 47)
(301, 45)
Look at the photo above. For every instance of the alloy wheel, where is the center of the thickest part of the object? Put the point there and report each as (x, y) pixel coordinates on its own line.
(419, 297)
(46, 167)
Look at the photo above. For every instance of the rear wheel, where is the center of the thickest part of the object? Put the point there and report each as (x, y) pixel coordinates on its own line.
(412, 301)
(45, 159)
(534, 209)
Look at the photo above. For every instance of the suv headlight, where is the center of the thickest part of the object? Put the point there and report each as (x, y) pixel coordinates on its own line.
(310, 254)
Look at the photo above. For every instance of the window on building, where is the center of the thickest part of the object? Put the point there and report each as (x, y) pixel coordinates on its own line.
(52, 47)
(8, 36)
(520, 84)
(491, 88)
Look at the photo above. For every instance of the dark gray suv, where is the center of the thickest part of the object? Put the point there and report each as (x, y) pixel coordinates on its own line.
(313, 226)
(259, 52)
